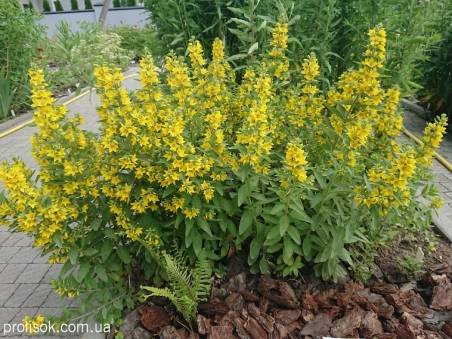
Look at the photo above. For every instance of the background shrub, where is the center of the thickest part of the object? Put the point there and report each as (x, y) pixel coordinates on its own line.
(116, 3)
(73, 54)
(46, 6)
(58, 6)
(436, 72)
(19, 36)
(88, 4)
(333, 29)
(74, 5)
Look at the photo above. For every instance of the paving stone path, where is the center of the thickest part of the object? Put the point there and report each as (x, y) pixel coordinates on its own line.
(25, 275)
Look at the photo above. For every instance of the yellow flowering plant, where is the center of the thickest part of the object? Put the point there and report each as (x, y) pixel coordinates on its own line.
(271, 168)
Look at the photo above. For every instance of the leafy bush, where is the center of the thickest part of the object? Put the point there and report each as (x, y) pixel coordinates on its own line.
(74, 5)
(74, 53)
(131, 3)
(138, 40)
(88, 4)
(436, 74)
(58, 6)
(19, 36)
(333, 29)
(268, 166)
(46, 6)
(116, 3)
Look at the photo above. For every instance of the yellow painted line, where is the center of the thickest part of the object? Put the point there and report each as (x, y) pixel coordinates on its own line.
(70, 101)
(437, 156)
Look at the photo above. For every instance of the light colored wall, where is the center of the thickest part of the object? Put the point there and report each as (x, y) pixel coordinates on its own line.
(115, 16)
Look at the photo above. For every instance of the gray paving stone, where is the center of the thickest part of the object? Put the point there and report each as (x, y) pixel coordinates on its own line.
(13, 239)
(6, 253)
(440, 178)
(6, 316)
(52, 273)
(2, 266)
(38, 297)
(4, 235)
(20, 295)
(24, 242)
(53, 300)
(6, 291)
(24, 255)
(41, 259)
(11, 272)
(33, 273)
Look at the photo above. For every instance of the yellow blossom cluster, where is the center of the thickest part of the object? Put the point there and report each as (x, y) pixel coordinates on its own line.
(33, 324)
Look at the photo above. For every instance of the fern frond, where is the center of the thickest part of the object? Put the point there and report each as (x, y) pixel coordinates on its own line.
(201, 276)
(179, 276)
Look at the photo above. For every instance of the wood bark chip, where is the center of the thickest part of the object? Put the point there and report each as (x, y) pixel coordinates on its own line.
(235, 301)
(281, 332)
(154, 318)
(241, 332)
(183, 333)
(285, 317)
(353, 287)
(287, 297)
(447, 328)
(344, 326)
(169, 332)
(410, 327)
(267, 322)
(220, 332)
(439, 268)
(399, 298)
(384, 288)
(227, 319)
(364, 303)
(308, 302)
(249, 296)
(263, 305)
(442, 293)
(318, 327)
(203, 324)
(255, 330)
(213, 307)
(370, 325)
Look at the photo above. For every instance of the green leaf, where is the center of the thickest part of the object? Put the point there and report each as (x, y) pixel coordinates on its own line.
(246, 221)
(263, 265)
(102, 273)
(255, 248)
(244, 193)
(320, 179)
(294, 234)
(106, 249)
(284, 222)
(307, 246)
(83, 271)
(124, 254)
(274, 233)
(278, 208)
(73, 255)
(204, 225)
(197, 244)
(253, 48)
(95, 223)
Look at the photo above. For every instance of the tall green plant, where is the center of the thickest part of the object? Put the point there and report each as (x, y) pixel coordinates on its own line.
(58, 6)
(131, 3)
(74, 5)
(46, 6)
(6, 94)
(19, 36)
(88, 4)
(116, 3)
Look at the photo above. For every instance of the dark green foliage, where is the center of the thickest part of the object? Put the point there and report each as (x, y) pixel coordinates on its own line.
(131, 3)
(436, 75)
(58, 6)
(46, 6)
(74, 5)
(336, 30)
(116, 3)
(88, 4)
(30, 6)
(19, 36)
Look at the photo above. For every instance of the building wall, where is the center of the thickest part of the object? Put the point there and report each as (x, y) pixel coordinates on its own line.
(115, 16)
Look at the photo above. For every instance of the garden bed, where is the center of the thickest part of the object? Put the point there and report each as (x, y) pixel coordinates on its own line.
(245, 306)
